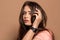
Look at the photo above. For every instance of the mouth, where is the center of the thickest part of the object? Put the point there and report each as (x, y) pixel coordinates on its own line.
(26, 21)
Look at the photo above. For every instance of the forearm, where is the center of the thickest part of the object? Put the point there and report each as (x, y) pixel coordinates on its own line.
(29, 35)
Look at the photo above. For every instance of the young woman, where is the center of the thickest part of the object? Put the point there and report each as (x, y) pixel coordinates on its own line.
(32, 23)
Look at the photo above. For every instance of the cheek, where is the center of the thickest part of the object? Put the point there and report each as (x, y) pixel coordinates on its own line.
(23, 17)
(30, 18)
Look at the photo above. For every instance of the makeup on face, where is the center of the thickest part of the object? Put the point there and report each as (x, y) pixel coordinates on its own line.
(27, 15)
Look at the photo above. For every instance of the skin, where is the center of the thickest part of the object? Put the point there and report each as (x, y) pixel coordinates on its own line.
(29, 35)
(27, 16)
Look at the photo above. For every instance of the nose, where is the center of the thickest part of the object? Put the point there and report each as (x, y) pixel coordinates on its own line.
(26, 16)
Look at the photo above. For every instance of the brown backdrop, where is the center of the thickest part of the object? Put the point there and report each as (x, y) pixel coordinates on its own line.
(9, 14)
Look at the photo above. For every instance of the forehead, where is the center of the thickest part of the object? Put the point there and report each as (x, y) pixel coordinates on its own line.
(26, 8)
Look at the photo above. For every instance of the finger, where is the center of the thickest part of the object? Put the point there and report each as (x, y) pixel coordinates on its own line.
(35, 15)
(39, 12)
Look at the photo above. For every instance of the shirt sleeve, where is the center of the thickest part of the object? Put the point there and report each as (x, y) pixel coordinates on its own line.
(45, 35)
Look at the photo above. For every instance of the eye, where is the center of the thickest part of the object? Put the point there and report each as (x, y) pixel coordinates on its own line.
(24, 12)
(30, 13)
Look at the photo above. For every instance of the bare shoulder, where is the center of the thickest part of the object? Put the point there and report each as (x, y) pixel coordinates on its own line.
(44, 35)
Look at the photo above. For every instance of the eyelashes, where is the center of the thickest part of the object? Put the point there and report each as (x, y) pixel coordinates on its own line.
(23, 12)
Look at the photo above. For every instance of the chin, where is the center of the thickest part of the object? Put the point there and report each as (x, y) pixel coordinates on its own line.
(27, 24)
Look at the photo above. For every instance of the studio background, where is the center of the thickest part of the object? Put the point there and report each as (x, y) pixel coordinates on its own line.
(9, 17)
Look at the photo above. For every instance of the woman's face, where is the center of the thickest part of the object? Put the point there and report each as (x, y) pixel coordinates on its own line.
(27, 15)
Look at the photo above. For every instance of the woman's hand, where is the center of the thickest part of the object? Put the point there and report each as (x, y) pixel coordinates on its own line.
(38, 18)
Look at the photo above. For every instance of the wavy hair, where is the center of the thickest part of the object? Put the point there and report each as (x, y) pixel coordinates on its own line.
(23, 28)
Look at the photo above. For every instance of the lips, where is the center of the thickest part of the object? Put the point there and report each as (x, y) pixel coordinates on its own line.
(26, 20)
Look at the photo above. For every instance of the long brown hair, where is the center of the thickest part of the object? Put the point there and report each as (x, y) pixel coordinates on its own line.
(23, 28)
